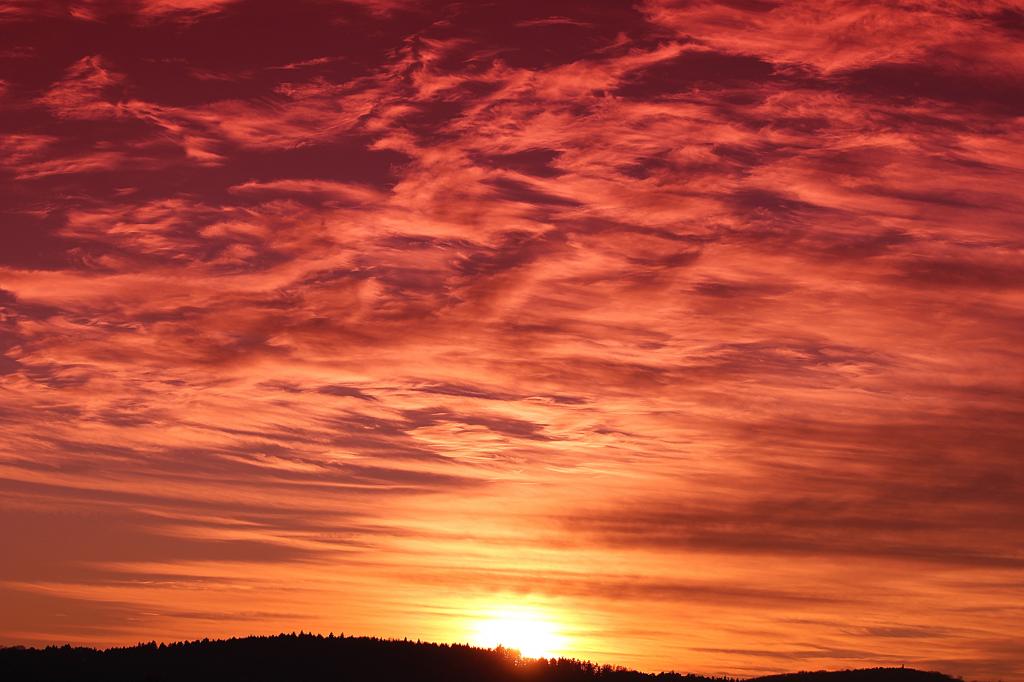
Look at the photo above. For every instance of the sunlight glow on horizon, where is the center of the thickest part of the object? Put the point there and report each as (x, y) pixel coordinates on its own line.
(531, 631)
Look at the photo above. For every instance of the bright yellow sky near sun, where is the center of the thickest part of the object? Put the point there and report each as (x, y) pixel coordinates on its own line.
(532, 631)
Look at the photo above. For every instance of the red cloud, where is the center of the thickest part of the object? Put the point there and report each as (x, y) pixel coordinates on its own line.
(721, 301)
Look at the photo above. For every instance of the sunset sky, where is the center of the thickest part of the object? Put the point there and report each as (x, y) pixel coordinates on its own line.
(676, 334)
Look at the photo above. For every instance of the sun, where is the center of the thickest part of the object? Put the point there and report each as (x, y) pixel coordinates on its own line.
(531, 631)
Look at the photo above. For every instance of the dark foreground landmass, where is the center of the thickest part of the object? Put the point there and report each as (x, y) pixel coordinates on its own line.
(315, 658)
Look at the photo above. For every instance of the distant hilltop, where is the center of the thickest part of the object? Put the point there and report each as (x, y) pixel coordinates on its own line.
(316, 658)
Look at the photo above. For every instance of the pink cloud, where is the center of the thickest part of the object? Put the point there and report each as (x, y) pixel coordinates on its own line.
(80, 94)
(170, 7)
(847, 35)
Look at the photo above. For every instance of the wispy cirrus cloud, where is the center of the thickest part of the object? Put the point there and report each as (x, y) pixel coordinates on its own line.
(468, 297)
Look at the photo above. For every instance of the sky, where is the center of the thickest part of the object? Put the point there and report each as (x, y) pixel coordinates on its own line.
(687, 333)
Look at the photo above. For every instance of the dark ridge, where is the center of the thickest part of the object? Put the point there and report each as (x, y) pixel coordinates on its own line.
(862, 675)
(306, 657)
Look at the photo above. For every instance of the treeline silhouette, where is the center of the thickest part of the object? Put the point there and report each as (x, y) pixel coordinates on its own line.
(315, 658)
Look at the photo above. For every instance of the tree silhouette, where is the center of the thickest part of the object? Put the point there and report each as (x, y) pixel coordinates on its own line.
(313, 658)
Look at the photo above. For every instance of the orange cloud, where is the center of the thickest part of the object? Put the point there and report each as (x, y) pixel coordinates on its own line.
(688, 325)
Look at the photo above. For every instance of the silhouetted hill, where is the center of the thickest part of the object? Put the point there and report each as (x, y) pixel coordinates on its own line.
(862, 675)
(315, 658)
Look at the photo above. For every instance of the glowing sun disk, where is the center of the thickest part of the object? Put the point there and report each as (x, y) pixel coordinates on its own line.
(529, 631)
